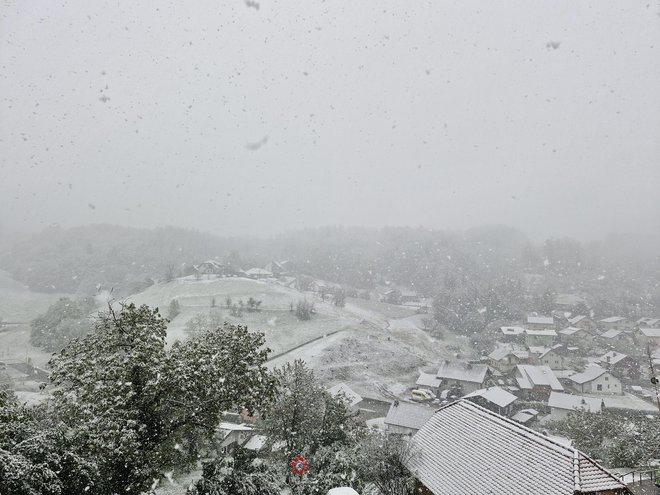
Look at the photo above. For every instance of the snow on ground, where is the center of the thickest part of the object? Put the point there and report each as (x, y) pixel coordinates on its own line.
(19, 304)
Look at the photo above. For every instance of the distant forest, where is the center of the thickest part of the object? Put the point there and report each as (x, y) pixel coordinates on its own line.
(83, 259)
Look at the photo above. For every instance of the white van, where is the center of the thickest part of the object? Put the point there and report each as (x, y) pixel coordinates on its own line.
(422, 394)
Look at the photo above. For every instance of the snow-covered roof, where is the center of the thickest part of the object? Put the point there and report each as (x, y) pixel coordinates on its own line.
(576, 319)
(541, 333)
(351, 396)
(589, 374)
(540, 320)
(561, 374)
(342, 490)
(256, 442)
(465, 372)
(612, 357)
(649, 322)
(553, 348)
(530, 376)
(496, 395)
(650, 332)
(570, 402)
(234, 427)
(512, 330)
(504, 351)
(524, 415)
(570, 331)
(428, 380)
(611, 334)
(466, 449)
(613, 319)
(629, 402)
(258, 271)
(408, 415)
(538, 349)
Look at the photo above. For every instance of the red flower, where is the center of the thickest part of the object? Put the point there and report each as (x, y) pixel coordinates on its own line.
(299, 465)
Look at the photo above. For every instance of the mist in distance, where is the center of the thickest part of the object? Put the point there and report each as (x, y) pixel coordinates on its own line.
(254, 118)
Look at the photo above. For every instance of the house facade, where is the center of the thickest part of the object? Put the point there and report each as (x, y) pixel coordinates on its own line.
(467, 377)
(596, 380)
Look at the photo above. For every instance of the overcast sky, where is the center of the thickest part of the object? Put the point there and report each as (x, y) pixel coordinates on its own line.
(220, 116)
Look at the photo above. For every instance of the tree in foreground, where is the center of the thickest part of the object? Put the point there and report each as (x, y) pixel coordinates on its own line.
(137, 408)
(37, 458)
(241, 473)
(65, 320)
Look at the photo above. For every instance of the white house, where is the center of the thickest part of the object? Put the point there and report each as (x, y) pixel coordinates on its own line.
(596, 380)
(561, 405)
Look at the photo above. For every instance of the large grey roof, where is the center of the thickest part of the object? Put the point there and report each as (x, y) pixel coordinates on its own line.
(570, 402)
(650, 332)
(428, 380)
(530, 376)
(352, 397)
(465, 449)
(496, 395)
(475, 373)
(408, 415)
(589, 374)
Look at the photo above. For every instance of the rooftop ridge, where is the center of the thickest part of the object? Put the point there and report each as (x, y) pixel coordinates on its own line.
(576, 472)
(517, 427)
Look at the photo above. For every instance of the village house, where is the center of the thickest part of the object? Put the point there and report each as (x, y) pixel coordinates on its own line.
(540, 337)
(583, 322)
(281, 268)
(467, 377)
(567, 302)
(213, 267)
(466, 449)
(408, 297)
(536, 382)
(555, 357)
(619, 364)
(526, 416)
(614, 337)
(229, 435)
(406, 418)
(572, 335)
(430, 382)
(648, 322)
(495, 399)
(596, 380)
(562, 404)
(351, 397)
(258, 273)
(613, 322)
(649, 336)
(540, 322)
(507, 357)
(512, 334)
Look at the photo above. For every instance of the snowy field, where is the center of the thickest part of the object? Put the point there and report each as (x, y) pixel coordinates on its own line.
(372, 346)
(19, 304)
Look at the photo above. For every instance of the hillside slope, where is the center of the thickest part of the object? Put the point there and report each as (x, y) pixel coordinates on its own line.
(363, 345)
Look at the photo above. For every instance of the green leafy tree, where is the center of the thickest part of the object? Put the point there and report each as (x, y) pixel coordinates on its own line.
(385, 461)
(241, 473)
(64, 321)
(37, 458)
(304, 310)
(304, 416)
(136, 408)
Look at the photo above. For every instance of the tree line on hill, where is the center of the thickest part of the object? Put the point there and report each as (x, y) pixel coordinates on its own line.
(493, 267)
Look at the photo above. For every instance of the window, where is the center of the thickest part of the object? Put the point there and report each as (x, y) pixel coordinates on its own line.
(599, 387)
